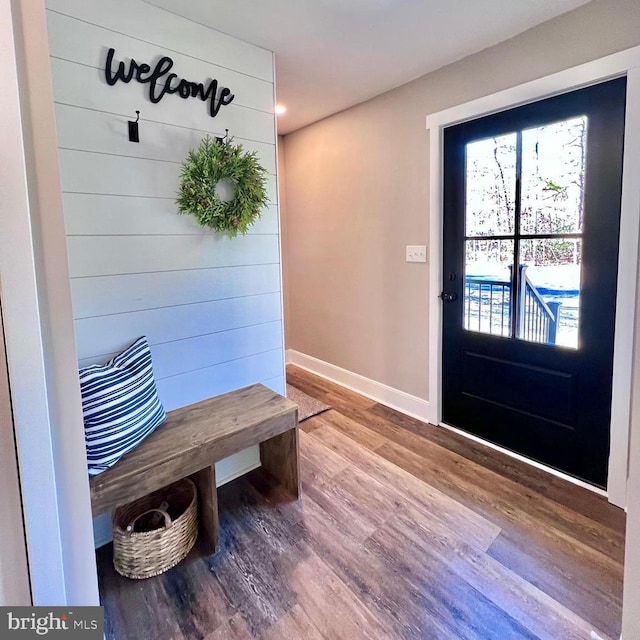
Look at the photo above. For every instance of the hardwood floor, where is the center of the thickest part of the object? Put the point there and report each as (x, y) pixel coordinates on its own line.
(404, 530)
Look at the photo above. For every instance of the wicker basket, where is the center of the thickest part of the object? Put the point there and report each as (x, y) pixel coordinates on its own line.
(143, 554)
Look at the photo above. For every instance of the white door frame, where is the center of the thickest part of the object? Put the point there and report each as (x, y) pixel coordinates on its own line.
(23, 338)
(618, 64)
(14, 567)
(38, 321)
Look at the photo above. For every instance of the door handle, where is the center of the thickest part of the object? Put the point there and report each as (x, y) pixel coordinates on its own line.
(448, 297)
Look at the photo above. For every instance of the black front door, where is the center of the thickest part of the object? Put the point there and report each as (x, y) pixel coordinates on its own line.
(531, 226)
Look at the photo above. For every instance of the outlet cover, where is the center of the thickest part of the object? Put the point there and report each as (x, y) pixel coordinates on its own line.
(416, 253)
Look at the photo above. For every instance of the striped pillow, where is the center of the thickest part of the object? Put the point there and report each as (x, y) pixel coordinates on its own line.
(120, 404)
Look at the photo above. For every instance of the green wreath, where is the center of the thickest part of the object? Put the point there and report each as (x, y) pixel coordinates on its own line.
(210, 169)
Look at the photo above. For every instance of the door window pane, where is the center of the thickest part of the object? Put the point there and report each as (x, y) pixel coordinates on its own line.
(549, 301)
(491, 186)
(553, 175)
(487, 286)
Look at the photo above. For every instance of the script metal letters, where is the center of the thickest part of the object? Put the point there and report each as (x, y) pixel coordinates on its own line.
(161, 82)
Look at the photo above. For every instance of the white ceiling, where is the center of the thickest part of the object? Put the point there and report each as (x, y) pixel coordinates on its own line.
(332, 54)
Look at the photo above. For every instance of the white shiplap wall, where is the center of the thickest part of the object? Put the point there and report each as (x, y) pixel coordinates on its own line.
(210, 306)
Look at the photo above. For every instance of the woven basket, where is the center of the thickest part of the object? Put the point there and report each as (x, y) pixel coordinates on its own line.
(143, 554)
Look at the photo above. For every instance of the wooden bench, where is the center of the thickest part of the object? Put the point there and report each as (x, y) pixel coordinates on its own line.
(193, 439)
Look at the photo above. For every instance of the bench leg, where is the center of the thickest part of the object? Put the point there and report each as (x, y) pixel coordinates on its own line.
(205, 481)
(280, 457)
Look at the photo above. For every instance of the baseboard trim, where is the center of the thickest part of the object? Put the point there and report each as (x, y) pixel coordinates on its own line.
(238, 473)
(532, 463)
(394, 398)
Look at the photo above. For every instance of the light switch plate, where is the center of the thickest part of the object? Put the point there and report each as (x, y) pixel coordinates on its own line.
(416, 253)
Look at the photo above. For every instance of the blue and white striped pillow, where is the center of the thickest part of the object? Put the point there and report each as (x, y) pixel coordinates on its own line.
(120, 404)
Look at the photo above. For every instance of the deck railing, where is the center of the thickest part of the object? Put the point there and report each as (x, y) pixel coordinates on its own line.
(487, 305)
(487, 309)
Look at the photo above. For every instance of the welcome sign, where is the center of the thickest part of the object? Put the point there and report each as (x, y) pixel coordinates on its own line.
(163, 81)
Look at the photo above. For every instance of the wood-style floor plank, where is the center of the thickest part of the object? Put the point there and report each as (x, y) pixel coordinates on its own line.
(404, 530)
(569, 495)
(477, 529)
(294, 626)
(234, 628)
(363, 435)
(404, 611)
(534, 609)
(335, 609)
(467, 612)
(338, 503)
(508, 504)
(463, 479)
(608, 538)
(565, 577)
(326, 460)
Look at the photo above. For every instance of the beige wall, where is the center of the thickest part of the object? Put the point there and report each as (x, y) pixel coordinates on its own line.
(357, 193)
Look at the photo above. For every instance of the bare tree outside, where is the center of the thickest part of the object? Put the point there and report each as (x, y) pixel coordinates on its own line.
(551, 204)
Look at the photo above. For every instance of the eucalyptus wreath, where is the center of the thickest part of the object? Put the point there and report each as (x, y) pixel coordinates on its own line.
(214, 161)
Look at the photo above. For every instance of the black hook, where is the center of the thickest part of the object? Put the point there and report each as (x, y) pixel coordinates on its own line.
(134, 134)
(225, 139)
